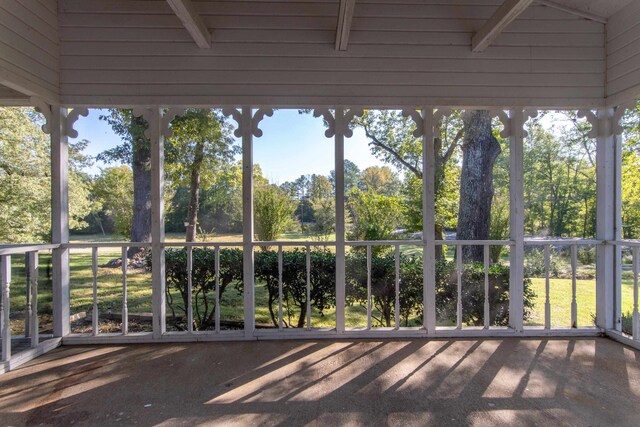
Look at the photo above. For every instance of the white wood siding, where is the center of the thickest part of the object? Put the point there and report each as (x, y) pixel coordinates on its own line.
(623, 57)
(282, 53)
(29, 47)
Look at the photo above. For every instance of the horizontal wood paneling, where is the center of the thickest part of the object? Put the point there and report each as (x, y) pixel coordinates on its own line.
(623, 54)
(29, 48)
(282, 52)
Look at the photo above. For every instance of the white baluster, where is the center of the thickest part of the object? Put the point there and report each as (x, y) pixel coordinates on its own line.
(487, 311)
(125, 309)
(217, 283)
(190, 289)
(280, 312)
(574, 304)
(397, 259)
(33, 307)
(636, 317)
(459, 273)
(368, 286)
(94, 271)
(308, 287)
(547, 300)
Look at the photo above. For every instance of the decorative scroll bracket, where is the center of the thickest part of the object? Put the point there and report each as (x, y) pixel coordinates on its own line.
(257, 117)
(592, 118)
(71, 120)
(417, 119)
(44, 109)
(617, 117)
(330, 120)
(68, 122)
(167, 118)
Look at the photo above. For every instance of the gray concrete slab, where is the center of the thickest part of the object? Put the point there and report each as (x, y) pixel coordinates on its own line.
(408, 382)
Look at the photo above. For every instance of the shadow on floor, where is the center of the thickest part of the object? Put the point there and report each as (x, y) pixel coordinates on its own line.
(592, 381)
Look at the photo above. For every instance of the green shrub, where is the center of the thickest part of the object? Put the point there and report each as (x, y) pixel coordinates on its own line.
(294, 283)
(322, 286)
(202, 283)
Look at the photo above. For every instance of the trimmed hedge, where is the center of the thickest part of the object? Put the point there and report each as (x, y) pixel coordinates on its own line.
(322, 286)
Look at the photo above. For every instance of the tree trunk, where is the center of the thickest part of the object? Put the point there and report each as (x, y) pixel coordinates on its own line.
(480, 149)
(194, 193)
(141, 166)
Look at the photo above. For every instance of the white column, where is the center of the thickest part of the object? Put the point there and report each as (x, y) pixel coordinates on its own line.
(60, 219)
(516, 224)
(245, 126)
(606, 222)
(156, 138)
(618, 234)
(340, 225)
(428, 221)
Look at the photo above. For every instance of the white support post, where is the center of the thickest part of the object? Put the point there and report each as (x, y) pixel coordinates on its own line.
(340, 221)
(428, 221)
(60, 219)
(5, 306)
(516, 225)
(605, 223)
(617, 313)
(156, 138)
(245, 125)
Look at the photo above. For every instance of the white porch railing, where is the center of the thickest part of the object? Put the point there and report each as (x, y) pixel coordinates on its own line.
(283, 331)
(31, 332)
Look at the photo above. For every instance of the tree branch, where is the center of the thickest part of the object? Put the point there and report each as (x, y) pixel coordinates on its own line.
(375, 141)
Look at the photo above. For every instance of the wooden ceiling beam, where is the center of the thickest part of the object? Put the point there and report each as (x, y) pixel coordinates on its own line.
(504, 16)
(573, 11)
(345, 17)
(193, 23)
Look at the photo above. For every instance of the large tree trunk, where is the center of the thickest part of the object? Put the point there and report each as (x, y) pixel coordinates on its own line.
(141, 166)
(480, 150)
(194, 193)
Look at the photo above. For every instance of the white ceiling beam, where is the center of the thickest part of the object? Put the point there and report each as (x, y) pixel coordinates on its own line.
(504, 16)
(345, 17)
(573, 11)
(192, 22)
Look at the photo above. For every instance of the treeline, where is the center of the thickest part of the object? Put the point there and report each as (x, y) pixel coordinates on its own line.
(203, 180)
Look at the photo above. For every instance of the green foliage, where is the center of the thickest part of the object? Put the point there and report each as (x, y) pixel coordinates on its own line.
(381, 180)
(294, 280)
(560, 177)
(374, 216)
(113, 190)
(273, 211)
(25, 179)
(200, 138)
(203, 283)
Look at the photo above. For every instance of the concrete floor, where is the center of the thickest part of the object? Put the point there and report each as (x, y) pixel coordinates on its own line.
(439, 382)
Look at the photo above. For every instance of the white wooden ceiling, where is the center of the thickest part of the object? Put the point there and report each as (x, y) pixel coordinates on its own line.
(603, 8)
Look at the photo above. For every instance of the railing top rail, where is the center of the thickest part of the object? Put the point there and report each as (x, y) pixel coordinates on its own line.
(199, 244)
(295, 243)
(568, 242)
(24, 248)
(627, 243)
(84, 245)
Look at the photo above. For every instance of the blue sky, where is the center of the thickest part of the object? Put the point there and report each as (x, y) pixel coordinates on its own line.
(292, 145)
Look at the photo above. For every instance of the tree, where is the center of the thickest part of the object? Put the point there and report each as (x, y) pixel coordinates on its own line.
(113, 189)
(135, 150)
(391, 139)
(273, 212)
(200, 146)
(374, 216)
(480, 150)
(25, 179)
(380, 179)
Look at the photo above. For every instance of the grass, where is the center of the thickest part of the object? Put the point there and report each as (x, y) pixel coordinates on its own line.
(139, 292)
